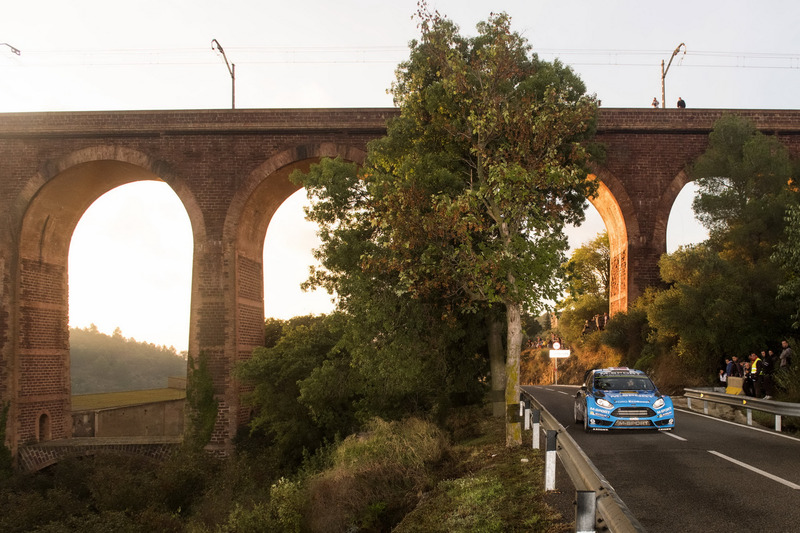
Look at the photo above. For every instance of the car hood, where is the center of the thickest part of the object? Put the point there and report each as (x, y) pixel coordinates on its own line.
(630, 398)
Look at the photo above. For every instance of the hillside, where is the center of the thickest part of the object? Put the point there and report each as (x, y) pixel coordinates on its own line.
(113, 363)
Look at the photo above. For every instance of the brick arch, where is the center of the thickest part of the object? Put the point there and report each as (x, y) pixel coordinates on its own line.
(36, 457)
(251, 209)
(616, 210)
(51, 204)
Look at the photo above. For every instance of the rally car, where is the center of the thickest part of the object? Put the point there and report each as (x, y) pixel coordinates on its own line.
(622, 398)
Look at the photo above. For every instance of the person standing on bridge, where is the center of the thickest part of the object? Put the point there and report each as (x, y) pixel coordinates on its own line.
(655, 103)
(681, 103)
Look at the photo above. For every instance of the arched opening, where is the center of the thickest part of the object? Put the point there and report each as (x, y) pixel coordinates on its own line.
(129, 290)
(683, 228)
(288, 255)
(52, 214)
(44, 428)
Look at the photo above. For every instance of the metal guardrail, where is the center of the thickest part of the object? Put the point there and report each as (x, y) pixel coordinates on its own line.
(614, 514)
(778, 409)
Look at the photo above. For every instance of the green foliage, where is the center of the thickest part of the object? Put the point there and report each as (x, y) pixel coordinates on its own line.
(104, 363)
(583, 309)
(588, 270)
(307, 359)
(201, 403)
(788, 382)
(459, 208)
(743, 189)
(787, 257)
(494, 489)
(628, 334)
(375, 476)
(283, 512)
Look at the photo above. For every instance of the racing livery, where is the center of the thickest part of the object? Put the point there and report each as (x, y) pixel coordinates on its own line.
(622, 398)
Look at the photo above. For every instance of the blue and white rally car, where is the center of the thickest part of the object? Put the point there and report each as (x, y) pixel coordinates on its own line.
(622, 398)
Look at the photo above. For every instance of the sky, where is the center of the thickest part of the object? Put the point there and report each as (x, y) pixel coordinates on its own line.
(97, 55)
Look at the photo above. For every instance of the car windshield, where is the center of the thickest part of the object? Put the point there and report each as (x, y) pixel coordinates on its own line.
(623, 383)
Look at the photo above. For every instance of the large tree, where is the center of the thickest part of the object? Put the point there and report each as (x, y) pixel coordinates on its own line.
(467, 195)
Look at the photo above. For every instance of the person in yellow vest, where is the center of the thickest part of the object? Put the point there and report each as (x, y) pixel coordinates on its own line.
(753, 385)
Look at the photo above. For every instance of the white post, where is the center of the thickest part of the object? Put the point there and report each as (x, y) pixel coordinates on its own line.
(586, 512)
(535, 415)
(550, 461)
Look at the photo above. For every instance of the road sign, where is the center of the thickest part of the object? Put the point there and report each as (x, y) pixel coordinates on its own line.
(559, 354)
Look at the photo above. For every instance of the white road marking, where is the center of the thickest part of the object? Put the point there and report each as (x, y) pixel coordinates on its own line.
(670, 434)
(767, 431)
(564, 393)
(756, 470)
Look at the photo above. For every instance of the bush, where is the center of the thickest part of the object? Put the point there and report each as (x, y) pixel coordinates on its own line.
(376, 476)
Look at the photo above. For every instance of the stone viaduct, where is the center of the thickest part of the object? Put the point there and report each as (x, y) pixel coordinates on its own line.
(229, 168)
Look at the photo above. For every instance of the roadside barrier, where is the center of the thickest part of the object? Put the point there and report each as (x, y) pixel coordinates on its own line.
(598, 508)
(749, 403)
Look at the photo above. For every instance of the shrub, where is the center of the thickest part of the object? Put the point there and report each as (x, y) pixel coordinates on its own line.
(376, 476)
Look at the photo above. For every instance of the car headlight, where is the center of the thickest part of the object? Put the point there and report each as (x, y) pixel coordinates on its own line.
(658, 404)
(602, 402)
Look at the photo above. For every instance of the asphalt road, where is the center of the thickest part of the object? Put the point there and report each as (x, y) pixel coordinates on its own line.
(706, 475)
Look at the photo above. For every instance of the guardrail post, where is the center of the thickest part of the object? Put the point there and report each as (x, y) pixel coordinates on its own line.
(527, 417)
(778, 423)
(749, 417)
(586, 512)
(521, 408)
(535, 419)
(550, 461)
(689, 403)
(705, 407)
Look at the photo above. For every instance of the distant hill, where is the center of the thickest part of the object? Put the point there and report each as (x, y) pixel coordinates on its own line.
(113, 363)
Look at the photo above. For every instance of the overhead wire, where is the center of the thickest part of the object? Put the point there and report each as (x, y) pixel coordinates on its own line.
(384, 54)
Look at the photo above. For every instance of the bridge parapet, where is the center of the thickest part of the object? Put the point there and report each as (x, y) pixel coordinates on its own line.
(34, 457)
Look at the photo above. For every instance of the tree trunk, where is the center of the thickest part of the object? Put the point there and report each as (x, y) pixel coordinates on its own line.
(497, 367)
(513, 348)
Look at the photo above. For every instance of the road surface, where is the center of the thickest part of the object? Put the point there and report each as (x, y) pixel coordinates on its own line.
(707, 475)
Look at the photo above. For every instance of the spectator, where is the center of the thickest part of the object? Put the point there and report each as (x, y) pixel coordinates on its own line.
(655, 103)
(723, 377)
(681, 103)
(786, 355)
(729, 367)
(768, 361)
(753, 380)
(736, 368)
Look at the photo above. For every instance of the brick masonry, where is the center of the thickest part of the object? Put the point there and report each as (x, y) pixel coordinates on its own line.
(230, 169)
(35, 457)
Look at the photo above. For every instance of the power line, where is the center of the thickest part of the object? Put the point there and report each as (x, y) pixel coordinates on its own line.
(312, 55)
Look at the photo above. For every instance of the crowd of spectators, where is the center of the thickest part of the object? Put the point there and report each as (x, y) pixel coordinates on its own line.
(758, 370)
(542, 343)
(596, 323)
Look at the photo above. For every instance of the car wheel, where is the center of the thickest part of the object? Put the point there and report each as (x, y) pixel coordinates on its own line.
(577, 412)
